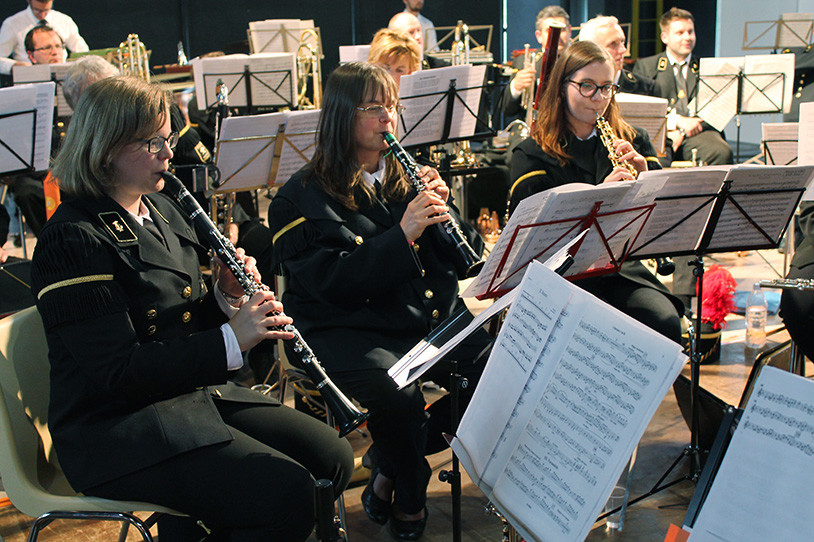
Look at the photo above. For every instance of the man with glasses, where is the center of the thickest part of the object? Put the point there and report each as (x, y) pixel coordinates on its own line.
(14, 29)
(44, 46)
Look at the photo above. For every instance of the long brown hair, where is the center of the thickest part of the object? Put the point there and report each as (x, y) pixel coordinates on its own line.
(335, 162)
(551, 128)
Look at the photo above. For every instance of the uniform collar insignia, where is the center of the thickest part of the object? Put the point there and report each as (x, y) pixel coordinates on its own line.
(117, 227)
(662, 64)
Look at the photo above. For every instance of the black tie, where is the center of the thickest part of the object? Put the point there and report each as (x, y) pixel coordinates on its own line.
(377, 186)
(152, 228)
(682, 105)
(42, 22)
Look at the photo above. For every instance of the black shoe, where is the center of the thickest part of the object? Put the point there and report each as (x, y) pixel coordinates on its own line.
(376, 509)
(401, 529)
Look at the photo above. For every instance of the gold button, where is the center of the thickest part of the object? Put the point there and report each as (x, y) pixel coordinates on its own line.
(359, 240)
(217, 393)
(428, 294)
(435, 313)
(186, 292)
(186, 317)
(415, 247)
(151, 330)
(423, 273)
(151, 314)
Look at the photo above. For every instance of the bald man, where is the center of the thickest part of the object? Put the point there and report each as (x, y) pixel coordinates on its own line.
(408, 23)
(414, 7)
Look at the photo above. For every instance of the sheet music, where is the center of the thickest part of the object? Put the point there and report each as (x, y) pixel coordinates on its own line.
(763, 488)
(299, 143)
(16, 130)
(353, 53)
(281, 35)
(566, 406)
(717, 97)
(794, 29)
(646, 112)
(245, 149)
(768, 83)
(779, 143)
(271, 81)
(436, 82)
(44, 73)
(805, 156)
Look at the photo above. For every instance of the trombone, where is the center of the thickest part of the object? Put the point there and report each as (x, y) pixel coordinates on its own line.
(309, 65)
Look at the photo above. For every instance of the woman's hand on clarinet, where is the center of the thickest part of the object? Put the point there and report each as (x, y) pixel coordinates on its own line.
(259, 319)
(427, 208)
(227, 282)
(432, 181)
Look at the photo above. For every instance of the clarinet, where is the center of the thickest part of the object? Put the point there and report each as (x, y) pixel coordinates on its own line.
(347, 416)
(467, 262)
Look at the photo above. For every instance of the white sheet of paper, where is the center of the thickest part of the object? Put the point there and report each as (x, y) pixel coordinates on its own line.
(44, 73)
(436, 82)
(271, 83)
(646, 112)
(805, 138)
(299, 143)
(281, 35)
(568, 390)
(779, 141)
(20, 132)
(353, 53)
(717, 96)
(766, 467)
(794, 29)
(246, 150)
(768, 83)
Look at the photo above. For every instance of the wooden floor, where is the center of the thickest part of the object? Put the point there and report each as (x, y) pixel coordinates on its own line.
(664, 441)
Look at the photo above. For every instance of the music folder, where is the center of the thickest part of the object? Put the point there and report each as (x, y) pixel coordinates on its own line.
(608, 216)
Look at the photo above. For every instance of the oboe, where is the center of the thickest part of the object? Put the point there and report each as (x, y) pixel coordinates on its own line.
(607, 137)
(347, 416)
(467, 261)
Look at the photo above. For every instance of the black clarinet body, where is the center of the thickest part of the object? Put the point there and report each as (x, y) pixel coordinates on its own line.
(345, 414)
(467, 262)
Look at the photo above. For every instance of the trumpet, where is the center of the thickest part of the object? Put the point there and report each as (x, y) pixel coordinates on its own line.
(467, 262)
(347, 416)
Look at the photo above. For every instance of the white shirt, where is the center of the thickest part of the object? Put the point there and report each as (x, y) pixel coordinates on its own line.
(14, 29)
(376, 177)
(427, 30)
(234, 358)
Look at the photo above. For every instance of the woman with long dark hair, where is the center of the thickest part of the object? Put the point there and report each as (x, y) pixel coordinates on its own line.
(565, 147)
(368, 278)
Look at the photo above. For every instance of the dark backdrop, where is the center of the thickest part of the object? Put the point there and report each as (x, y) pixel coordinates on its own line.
(209, 25)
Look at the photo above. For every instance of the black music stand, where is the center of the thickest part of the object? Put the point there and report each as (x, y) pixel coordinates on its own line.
(283, 89)
(18, 163)
(745, 82)
(724, 200)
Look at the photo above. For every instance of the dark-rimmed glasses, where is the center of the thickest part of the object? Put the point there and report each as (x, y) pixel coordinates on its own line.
(588, 89)
(378, 109)
(155, 144)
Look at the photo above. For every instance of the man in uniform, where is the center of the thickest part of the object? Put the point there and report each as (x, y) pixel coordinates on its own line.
(608, 34)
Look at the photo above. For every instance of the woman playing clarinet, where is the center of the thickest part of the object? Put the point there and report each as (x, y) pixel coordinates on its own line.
(369, 278)
(565, 147)
(141, 344)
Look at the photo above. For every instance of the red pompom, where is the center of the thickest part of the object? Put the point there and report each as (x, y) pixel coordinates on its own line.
(719, 294)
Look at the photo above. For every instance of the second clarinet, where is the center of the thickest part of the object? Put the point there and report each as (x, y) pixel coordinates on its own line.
(467, 262)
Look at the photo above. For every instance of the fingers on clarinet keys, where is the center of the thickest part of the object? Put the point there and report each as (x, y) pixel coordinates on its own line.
(402, 529)
(378, 510)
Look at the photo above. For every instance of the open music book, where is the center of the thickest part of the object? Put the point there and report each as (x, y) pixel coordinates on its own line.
(569, 388)
(646, 112)
(44, 73)
(762, 490)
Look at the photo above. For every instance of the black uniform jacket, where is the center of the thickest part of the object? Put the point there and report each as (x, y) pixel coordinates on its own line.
(533, 171)
(634, 84)
(359, 293)
(133, 339)
(659, 70)
(509, 105)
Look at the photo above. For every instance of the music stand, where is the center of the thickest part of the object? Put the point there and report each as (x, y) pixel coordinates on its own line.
(731, 87)
(779, 143)
(790, 30)
(26, 117)
(264, 80)
(44, 73)
(741, 208)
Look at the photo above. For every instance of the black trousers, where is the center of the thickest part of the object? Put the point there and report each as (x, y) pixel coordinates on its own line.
(712, 148)
(403, 431)
(257, 487)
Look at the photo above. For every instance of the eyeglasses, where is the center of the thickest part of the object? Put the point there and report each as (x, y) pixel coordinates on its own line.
(377, 110)
(50, 48)
(156, 144)
(589, 89)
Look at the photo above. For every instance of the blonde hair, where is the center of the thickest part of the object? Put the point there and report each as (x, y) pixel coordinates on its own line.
(389, 45)
(111, 114)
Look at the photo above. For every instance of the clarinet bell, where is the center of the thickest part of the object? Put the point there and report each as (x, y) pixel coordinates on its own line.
(665, 266)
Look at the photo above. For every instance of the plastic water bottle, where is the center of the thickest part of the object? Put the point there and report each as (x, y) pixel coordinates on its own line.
(756, 311)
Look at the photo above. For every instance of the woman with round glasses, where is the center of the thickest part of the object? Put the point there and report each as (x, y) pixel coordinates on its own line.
(141, 344)
(565, 147)
(368, 279)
